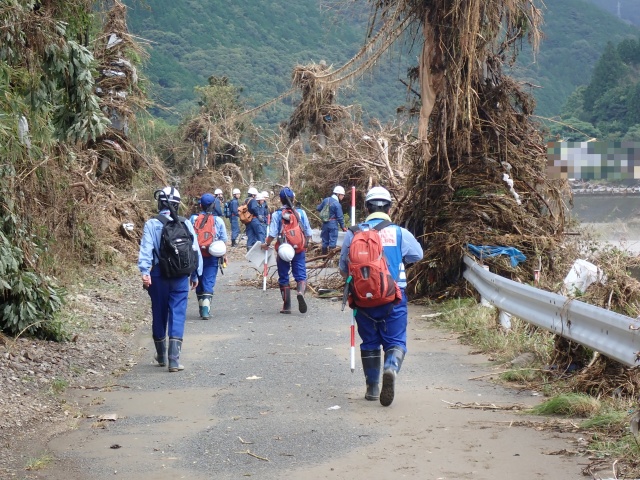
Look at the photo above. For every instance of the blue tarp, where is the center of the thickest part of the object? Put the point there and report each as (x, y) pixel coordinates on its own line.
(485, 251)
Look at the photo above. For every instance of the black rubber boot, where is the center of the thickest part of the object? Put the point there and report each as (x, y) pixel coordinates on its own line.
(285, 291)
(325, 250)
(233, 243)
(301, 287)
(175, 346)
(371, 367)
(199, 297)
(161, 352)
(392, 362)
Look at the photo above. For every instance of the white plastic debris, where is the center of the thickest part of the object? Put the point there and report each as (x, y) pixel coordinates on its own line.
(505, 320)
(581, 275)
(23, 131)
(128, 226)
(113, 40)
(335, 407)
(508, 180)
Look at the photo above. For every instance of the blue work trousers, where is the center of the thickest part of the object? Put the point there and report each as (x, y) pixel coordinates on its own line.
(235, 227)
(207, 281)
(385, 325)
(168, 305)
(298, 268)
(256, 232)
(329, 234)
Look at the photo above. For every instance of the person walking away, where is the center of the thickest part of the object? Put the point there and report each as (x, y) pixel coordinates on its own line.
(263, 217)
(384, 325)
(209, 229)
(218, 203)
(290, 226)
(166, 280)
(254, 228)
(233, 219)
(332, 218)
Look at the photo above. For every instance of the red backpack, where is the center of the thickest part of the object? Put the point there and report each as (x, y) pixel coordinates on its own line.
(205, 228)
(371, 282)
(291, 231)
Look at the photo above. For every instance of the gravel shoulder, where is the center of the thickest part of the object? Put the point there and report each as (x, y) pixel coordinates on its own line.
(104, 316)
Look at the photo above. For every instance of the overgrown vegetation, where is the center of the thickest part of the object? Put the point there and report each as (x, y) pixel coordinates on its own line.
(55, 211)
(608, 107)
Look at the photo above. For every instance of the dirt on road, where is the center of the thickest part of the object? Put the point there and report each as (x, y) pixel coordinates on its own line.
(271, 396)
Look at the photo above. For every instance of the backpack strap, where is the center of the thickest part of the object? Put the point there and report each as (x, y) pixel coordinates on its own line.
(204, 220)
(378, 227)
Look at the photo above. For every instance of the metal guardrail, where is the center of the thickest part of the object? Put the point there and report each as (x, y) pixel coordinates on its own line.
(612, 334)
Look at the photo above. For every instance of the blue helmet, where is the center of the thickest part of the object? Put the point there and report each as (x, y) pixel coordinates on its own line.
(206, 200)
(285, 193)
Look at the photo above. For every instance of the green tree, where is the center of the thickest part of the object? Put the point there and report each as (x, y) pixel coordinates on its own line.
(629, 50)
(573, 130)
(633, 112)
(633, 134)
(574, 106)
(606, 75)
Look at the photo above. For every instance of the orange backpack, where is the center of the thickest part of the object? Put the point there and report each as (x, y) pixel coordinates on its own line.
(205, 228)
(371, 282)
(244, 214)
(291, 231)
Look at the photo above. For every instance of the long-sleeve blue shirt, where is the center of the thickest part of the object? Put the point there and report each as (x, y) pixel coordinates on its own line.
(400, 247)
(217, 207)
(150, 243)
(335, 209)
(233, 206)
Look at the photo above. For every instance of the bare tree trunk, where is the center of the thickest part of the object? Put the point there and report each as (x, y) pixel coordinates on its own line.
(430, 83)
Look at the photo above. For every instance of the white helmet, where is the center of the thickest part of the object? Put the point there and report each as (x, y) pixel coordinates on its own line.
(167, 194)
(252, 191)
(236, 191)
(265, 194)
(378, 196)
(218, 249)
(286, 252)
(259, 196)
(338, 190)
(217, 192)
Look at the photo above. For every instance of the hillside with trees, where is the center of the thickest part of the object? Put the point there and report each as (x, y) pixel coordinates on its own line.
(608, 107)
(257, 45)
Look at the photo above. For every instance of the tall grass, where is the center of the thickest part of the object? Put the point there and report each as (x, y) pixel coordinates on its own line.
(479, 327)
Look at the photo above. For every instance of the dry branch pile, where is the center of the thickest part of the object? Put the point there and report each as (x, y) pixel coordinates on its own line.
(479, 176)
(316, 112)
(120, 96)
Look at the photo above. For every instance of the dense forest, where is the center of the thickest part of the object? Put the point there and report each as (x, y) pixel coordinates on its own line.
(257, 46)
(608, 107)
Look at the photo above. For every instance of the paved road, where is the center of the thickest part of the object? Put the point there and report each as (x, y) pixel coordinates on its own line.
(270, 396)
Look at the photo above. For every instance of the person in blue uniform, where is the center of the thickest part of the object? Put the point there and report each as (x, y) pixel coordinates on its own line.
(168, 295)
(218, 202)
(253, 228)
(296, 265)
(386, 325)
(234, 220)
(335, 219)
(210, 263)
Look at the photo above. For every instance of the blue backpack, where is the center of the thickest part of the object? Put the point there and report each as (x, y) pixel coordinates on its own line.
(227, 209)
